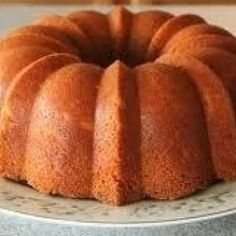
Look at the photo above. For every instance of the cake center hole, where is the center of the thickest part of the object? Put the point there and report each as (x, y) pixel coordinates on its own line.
(125, 57)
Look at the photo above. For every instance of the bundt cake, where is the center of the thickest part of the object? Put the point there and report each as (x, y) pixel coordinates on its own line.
(118, 107)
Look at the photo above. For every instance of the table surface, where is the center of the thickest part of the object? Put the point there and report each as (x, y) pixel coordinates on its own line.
(12, 16)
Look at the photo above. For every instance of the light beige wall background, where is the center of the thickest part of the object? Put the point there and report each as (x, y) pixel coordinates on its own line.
(22, 14)
(122, 1)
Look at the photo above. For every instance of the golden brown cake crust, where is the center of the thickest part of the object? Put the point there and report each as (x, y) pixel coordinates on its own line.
(218, 110)
(16, 109)
(168, 30)
(116, 165)
(95, 26)
(174, 147)
(120, 20)
(227, 43)
(197, 30)
(15, 59)
(144, 25)
(48, 32)
(17, 41)
(83, 114)
(77, 37)
(62, 126)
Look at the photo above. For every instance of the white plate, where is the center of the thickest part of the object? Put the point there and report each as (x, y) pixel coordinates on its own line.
(217, 200)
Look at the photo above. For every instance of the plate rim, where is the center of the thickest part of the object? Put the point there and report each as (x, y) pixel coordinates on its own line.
(130, 224)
